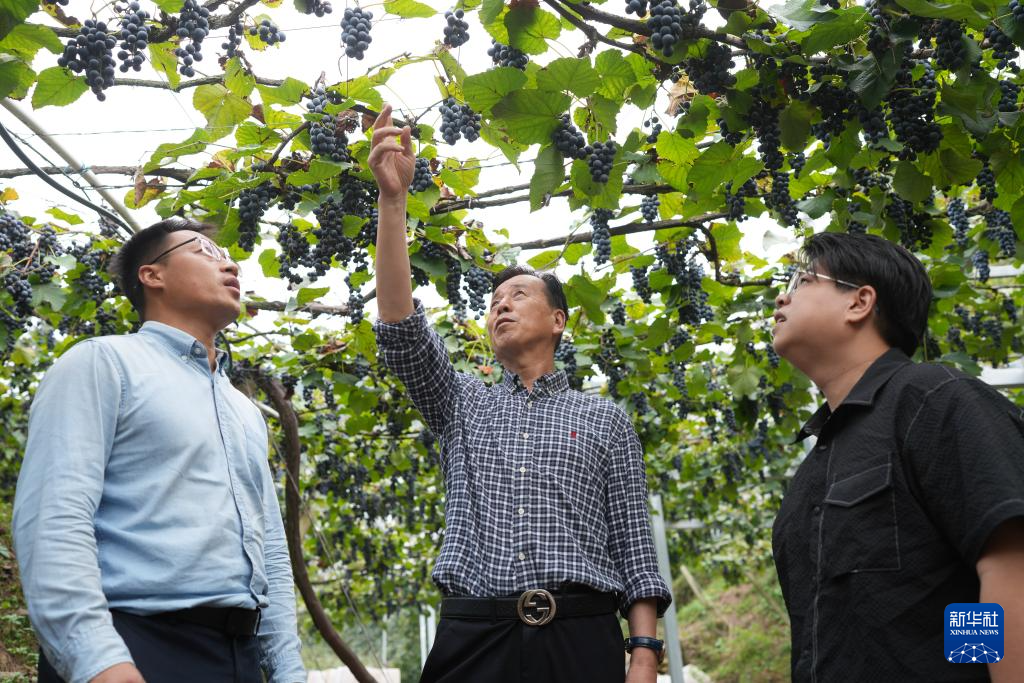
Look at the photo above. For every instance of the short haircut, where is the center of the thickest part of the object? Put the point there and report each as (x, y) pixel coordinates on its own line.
(142, 248)
(552, 287)
(898, 277)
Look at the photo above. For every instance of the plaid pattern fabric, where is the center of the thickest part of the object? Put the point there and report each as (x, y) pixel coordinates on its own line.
(542, 489)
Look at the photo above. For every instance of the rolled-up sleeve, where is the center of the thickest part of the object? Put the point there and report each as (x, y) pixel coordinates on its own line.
(631, 543)
(278, 637)
(71, 433)
(416, 354)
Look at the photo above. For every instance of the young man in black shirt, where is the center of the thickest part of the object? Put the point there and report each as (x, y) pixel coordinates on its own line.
(913, 495)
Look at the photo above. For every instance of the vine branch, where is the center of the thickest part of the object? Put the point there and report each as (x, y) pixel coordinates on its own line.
(181, 174)
(627, 229)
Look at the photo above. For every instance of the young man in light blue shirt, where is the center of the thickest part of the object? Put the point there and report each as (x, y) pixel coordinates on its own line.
(146, 522)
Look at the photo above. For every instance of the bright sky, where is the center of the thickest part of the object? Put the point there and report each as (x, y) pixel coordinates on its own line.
(132, 122)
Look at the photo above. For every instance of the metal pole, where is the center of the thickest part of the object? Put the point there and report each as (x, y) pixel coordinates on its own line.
(77, 166)
(675, 652)
(423, 640)
(431, 626)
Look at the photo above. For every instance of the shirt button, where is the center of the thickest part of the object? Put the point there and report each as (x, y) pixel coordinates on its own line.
(822, 446)
(522, 556)
(522, 470)
(197, 351)
(816, 509)
(522, 511)
(184, 357)
(525, 435)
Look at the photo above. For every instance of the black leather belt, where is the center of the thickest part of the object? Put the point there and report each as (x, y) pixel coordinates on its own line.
(231, 621)
(533, 607)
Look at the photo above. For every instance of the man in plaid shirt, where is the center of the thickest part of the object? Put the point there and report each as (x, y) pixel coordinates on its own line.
(547, 525)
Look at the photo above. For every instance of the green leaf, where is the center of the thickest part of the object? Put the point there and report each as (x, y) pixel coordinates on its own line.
(616, 74)
(483, 90)
(530, 116)
(237, 79)
(307, 294)
(676, 148)
(69, 218)
(1009, 171)
(288, 93)
(874, 77)
(548, 174)
(25, 40)
(581, 291)
(172, 150)
(818, 205)
(545, 259)
(842, 27)
(795, 123)
(58, 87)
(222, 108)
(569, 73)
(363, 89)
(490, 10)
(727, 240)
(950, 167)
(269, 263)
(169, 6)
(13, 12)
(409, 9)
(958, 11)
(319, 169)
(529, 28)
(910, 183)
(15, 77)
(165, 61)
(744, 379)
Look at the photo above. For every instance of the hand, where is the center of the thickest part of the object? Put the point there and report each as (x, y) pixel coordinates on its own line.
(643, 666)
(391, 162)
(125, 672)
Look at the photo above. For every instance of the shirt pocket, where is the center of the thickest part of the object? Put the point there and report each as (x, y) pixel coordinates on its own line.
(860, 531)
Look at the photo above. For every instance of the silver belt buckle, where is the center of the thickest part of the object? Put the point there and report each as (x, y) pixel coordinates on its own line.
(536, 607)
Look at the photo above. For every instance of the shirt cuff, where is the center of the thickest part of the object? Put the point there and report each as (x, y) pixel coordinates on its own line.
(646, 586)
(404, 332)
(287, 668)
(86, 654)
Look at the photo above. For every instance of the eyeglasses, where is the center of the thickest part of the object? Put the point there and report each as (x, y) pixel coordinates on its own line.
(205, 246)
(797, 280)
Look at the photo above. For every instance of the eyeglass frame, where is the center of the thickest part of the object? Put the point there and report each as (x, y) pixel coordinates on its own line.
(794, 281)
(217, 253)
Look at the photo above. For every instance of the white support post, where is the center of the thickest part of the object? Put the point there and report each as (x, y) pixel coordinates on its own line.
(675, 651)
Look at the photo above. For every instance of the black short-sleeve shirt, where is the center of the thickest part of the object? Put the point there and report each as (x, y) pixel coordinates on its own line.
(885, 519)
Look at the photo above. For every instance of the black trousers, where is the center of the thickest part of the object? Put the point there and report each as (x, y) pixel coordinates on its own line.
(168, 650)
(569, 650)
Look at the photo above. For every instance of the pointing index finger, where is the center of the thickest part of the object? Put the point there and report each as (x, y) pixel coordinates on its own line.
(384, 119)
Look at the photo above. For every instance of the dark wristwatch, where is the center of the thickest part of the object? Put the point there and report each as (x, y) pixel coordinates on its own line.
(643, 641)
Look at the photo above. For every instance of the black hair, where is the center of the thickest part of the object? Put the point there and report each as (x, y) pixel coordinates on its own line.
(552, 287)
(142, 248)
(902, 285)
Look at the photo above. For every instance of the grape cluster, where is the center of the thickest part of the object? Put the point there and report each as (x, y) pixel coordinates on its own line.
(878, 36)
(505, 55)
(566, 355)
(456, 31)
(1003, 49)
(601, 159)
(355, 302)
(608, 361)
(655, 124)
(649, 207)
(764, 118)
(915, 232)
(90, 52)
(453, 285)
(355, 31)
(234, 42)
(987, 183)
(292, 195)
(1000, 228)
(797, 163)
(957, 214)
(736, 203)
(694, 308)
(294, 252)
(193, 26)
(320, 8)
(331, 241)
(950, 52)
(780, 200)
(641, 284)
(619, 313)
(458, 120)
(873, 123)
(1008, 94)
(710, 74)
(15, 237)
(267, 32)
(834, 4)
(569, 140)
(252, 203)
(422, 179)
(980, 262)
(912, 112)
(838, 104)
(91, 262)
(21, 292)
(731, 137)
(134, 38)
(668, 23)
(478, 286)
(328, 138)
(601, 237)
(637, 7)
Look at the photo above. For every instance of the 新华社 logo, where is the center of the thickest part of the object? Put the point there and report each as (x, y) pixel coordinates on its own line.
(974, 633)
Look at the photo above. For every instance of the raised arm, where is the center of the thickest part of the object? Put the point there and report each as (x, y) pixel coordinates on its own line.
(392, 162)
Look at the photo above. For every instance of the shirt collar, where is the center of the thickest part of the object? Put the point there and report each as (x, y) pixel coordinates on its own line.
(180, 342)
(547, 385)
(864, 391)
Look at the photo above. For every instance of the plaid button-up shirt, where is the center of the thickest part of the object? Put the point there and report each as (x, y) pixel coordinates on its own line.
(543, 488)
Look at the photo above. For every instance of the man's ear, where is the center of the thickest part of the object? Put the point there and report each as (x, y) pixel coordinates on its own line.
(863, 304)
(151, 276)
(560, 320)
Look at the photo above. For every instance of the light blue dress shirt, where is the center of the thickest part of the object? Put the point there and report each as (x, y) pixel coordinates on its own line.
(145, 488)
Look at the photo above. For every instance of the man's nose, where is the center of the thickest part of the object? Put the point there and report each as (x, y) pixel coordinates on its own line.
(230, 266)
(781, 299)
